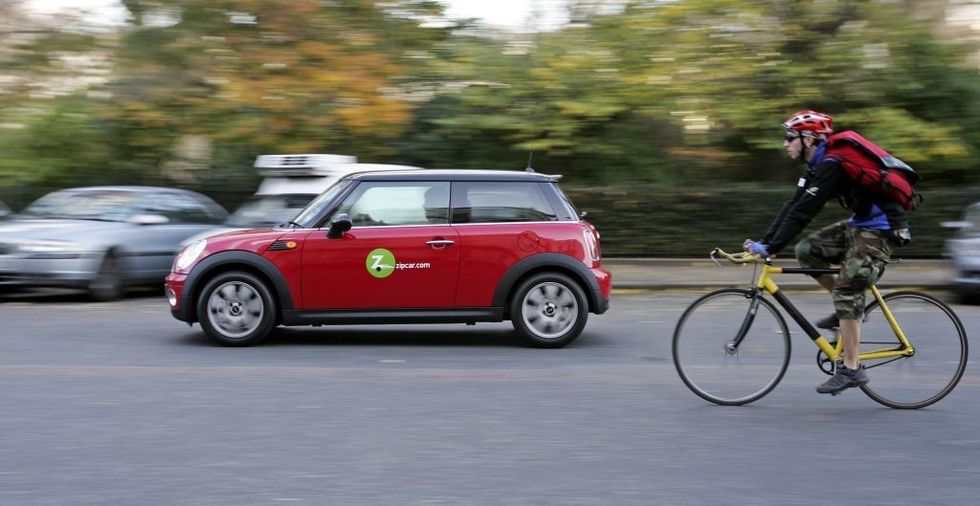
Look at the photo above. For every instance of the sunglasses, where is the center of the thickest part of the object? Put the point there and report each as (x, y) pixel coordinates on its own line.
(791, 138)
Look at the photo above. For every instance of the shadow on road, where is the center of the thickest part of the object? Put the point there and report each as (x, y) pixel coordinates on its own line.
(53, 295)
(394, 336)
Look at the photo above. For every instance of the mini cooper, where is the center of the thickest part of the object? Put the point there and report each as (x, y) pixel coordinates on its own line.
(413, 246)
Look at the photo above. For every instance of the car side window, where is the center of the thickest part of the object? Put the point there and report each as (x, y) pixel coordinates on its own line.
(500, 202)
(177, 208)
(382, 203)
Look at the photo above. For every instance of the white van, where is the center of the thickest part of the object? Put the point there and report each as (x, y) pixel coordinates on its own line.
(289, 183)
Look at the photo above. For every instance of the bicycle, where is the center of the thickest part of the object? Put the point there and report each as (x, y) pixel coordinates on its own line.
(732, 346)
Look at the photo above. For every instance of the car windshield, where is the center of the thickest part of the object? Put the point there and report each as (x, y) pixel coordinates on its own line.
(102, 205)
(268, 210)
(309, 215)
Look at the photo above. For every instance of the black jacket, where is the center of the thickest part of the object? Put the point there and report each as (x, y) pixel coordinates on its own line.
(821, 183)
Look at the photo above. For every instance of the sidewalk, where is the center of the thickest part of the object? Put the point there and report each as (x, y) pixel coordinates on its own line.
(700, 273)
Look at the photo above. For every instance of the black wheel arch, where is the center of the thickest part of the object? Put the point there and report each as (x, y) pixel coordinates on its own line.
(231, 260)
(550, 262)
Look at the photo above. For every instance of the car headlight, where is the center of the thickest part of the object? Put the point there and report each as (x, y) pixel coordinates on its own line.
(51, 248)
(189, 255)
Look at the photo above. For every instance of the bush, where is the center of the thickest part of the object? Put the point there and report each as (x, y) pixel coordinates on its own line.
(654, 221)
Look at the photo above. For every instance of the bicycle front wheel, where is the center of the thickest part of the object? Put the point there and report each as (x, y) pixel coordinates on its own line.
(939, 341)
(707, 358)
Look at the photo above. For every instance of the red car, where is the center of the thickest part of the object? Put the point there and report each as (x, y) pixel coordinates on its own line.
(434, 246)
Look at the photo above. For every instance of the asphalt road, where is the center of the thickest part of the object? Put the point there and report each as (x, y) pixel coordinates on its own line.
(117, 403)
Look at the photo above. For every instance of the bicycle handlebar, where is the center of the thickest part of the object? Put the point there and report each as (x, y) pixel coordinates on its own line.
(738, 258)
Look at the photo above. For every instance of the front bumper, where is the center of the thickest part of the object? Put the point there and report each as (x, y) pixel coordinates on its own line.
(74, 272)
(967, 278)
(174, 287)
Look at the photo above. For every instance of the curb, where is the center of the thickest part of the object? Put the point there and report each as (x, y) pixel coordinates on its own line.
(702, 274)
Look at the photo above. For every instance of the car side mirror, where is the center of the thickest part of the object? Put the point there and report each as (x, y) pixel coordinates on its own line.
(148, 219)
(338, 225)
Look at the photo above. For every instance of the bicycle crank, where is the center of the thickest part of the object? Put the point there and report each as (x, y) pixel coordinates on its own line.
(824, 363)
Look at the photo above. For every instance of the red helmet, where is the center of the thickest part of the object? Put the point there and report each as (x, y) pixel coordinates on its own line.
(816, 124)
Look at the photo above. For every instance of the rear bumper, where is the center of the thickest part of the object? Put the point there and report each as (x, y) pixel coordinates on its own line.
(601, 296)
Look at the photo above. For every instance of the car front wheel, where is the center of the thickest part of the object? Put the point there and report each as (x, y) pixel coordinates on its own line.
(549, 310)
(108, 284)
(236, 309)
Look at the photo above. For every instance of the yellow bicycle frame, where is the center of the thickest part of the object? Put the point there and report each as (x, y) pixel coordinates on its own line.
(833, 351)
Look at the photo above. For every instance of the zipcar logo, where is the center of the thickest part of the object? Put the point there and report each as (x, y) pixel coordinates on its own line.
(381, 263)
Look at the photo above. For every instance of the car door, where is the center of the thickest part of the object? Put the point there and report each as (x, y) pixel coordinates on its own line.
(400, 253)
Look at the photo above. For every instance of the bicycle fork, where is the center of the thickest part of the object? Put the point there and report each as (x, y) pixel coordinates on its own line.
(757, 293)
(731, 347)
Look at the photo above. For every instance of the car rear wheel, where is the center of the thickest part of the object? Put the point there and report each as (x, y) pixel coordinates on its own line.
(549, 310)
(236, 309)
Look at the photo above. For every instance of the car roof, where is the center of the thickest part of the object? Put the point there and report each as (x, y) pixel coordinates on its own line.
(453, 175)
(125, 188)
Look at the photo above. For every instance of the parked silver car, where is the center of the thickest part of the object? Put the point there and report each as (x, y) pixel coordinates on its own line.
(964, 251)
(101, 239)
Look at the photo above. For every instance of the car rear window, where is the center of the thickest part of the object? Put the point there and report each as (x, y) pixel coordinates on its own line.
(500, 202)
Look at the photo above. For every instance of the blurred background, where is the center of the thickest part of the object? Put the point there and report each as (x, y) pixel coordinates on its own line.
(662, 115)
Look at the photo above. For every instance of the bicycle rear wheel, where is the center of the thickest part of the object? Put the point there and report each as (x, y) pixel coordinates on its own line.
(940, 344)
(708, 363)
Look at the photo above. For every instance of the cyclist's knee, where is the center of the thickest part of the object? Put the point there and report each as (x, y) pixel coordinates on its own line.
(848, 305)
(805, 254)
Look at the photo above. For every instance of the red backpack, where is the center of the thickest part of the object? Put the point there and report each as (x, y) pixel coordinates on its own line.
(873, 168)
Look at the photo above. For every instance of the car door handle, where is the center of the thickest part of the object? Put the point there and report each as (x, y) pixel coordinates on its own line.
(440, 243)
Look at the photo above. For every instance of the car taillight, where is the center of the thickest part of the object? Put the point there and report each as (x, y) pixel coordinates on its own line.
(591, 236)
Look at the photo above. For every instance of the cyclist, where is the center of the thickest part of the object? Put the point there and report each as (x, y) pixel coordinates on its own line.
(861, 245)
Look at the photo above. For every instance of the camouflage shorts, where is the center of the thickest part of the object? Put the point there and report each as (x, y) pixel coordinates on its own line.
(862, 254)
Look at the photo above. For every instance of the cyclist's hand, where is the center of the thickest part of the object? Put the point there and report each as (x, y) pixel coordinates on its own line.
(756, 248)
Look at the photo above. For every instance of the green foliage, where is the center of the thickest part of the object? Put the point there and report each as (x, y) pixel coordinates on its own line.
(652, 220)
(663, 96)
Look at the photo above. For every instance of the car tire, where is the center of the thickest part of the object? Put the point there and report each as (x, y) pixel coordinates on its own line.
(109, 283)
(549, 310)
(236, 309)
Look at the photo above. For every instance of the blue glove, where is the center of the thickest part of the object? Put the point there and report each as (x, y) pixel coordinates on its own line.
(756, 247)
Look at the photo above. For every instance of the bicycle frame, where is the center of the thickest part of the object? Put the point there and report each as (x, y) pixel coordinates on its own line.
(764, 283)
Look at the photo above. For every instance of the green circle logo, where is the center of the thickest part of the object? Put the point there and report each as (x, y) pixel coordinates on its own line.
(380, 263)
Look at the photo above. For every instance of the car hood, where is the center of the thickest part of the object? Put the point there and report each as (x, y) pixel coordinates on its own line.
(254, 239)
(207, 234)
(20, 229)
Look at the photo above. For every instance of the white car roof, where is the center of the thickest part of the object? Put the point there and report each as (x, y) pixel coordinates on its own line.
(325, 176)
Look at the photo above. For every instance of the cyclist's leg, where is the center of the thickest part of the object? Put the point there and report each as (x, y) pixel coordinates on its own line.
(818, 251)
(867, 253)
(821, 249)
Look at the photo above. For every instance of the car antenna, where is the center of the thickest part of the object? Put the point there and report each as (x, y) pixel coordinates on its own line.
(530, 154)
